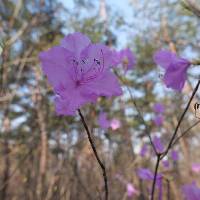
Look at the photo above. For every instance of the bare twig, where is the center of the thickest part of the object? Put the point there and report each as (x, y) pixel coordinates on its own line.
(155, 176)
(185, 132)
(168, 189)
(180, 121)
(147, 128)
(95, 153)
(193, 6)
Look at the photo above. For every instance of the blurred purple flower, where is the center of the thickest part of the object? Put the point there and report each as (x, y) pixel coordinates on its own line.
(191, 191)
(165, 163)
(176, 68)
(128, 59)
(158, 144)
(146, 174)
(79, 72)
(131, 191)
(174, 155)
(103, 121)
(129, 187)
(116, 58)
(143, 150)
(158, 108)
(115, 124)
(125, 57)
(196, 167)
(158, 120)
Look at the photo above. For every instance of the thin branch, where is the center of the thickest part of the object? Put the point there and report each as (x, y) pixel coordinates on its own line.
(19, 33)
(147, 128)
(180, 120)
(168, 189)
(95, 153)
(155, 176)
(192, 6)
(185, 132)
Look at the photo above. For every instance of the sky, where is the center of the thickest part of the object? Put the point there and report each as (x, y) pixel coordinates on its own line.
(121, 7)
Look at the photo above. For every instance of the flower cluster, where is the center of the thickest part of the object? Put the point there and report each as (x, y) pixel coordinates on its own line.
(104, 123)
(80, 71)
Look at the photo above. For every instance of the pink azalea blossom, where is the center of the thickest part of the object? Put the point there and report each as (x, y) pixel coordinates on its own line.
(176, 68)
(79, 72)
(131, 191)
(196, 167)
(115, 124)
(103, 121)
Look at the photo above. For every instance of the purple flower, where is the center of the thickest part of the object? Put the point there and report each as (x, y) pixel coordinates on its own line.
(165, 163)
(146, 174)
(131, 190)
(128, 59)
(158, 108)
(196, 167)
(176, 68)
(158, 120)
(158, 144)
(191, 191)
(116, 58)
(115, 124)
(79, 72)
(143, 150)
(103, 121)
(125, 57)
(174, 155)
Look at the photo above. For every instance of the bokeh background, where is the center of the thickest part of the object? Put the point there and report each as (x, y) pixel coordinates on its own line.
(47, 157)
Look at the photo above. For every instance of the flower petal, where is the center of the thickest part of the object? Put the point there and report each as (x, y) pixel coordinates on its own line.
(103, 121)
(75, 43)
(54, 65)
(175, 77)
(106, 85)
(164, 58)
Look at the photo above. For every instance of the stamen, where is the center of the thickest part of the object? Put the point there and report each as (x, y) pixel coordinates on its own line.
(98, 68)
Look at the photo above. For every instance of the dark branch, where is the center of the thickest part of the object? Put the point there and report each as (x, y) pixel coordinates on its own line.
(95, 153)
